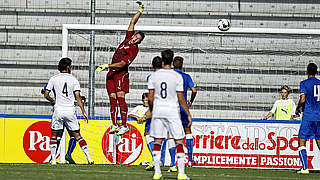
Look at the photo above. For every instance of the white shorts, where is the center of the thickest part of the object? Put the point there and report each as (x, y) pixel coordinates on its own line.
(65, 116)
(161, 126)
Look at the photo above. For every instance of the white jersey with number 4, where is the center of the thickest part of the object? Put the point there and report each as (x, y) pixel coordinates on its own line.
(166, 83)
(64, 85)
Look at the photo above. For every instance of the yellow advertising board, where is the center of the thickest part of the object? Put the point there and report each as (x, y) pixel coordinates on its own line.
(26, 139)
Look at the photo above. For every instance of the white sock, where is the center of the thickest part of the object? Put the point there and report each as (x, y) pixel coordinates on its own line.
(86, 152)
(85, 148)
(180, 162)
(156, 159)
(53, 149)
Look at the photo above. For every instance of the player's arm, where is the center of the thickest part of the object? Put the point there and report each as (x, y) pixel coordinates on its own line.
(80, 103)
(267, 116)
(151, 99)
(127, 60)
(139, 119)
(302, 100)
(193, 95)
(183, 104)
(50, 99)
(146, 116)
(136, 17)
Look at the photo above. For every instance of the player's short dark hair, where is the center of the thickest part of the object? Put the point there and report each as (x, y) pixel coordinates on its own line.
(167, 57)
(144, 95)
(178, 62)
(63, 63)
(312, 69)
(157, 62)
(142, 36)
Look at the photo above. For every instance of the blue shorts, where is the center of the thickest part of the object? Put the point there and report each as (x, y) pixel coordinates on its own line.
(184, 118)
(309, 130)
(147, 125)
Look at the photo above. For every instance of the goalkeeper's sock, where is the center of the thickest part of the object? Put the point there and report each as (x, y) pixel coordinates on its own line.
(156, 155)
(189, 143)
(53, 148)
(84, 147)
(172, 151)
(303, 157)
(163, 151)
(123, 110)
(72, 145)
(150, 142)
(113, 110)
(180, 158)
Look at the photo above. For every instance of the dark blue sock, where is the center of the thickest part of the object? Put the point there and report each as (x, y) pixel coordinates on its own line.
(163, 151)
(72, 145)
(303, 158)
(172, 152)
(189, 143)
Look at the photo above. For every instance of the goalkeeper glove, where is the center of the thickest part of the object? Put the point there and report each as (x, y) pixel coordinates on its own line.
(141, 6)
(102, 67)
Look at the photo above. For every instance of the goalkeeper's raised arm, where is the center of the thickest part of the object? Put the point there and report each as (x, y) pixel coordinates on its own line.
(136, 17)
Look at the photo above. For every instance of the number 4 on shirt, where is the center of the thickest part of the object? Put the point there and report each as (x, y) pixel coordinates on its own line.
(316, 92)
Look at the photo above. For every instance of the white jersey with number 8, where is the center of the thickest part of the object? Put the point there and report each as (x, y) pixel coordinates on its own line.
(166, 83)
(165, 113)
(64, 85)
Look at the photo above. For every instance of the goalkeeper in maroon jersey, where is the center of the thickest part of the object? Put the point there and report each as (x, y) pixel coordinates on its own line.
(117, 82)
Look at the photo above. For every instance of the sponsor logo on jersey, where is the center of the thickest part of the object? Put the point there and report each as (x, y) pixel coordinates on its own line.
(125, 47)
(128, 146)
(36, 141)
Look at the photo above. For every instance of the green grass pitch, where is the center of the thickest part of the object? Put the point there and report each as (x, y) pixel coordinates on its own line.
(123, 172)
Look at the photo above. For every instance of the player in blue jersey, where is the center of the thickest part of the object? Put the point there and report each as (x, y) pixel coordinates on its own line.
(72, 141)
(187, 84)
(310, 124)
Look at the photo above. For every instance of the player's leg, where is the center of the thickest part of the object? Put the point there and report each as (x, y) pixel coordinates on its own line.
(172, 152)
(56, 125)
(158, 130)
(123, 112)
(149, 141)
(180, 159)
(163, 151)
(176, 131)
(148, 138)
(72, 123)
(189, 144)
(122, 88)
(189, 138)
(317, 136)
(113, 105)
(83, 145)
(156, 155)
(71, 146)
(53, 146)
(303, 153)
(307, 131)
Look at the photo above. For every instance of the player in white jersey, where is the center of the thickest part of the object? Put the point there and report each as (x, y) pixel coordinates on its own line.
(165, 93)
(65, 86)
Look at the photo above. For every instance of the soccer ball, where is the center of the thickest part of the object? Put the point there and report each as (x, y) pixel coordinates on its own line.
(224, 24)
